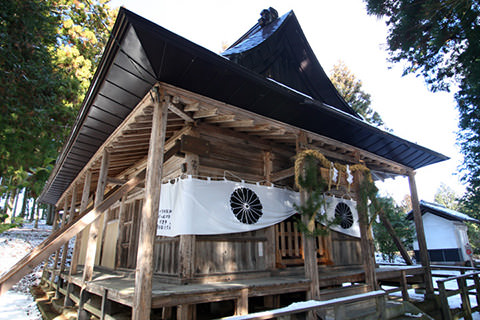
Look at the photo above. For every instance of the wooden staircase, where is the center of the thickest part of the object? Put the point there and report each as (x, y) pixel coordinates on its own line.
(63, 235)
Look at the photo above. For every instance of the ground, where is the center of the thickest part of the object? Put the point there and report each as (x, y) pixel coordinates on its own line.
(18, 303)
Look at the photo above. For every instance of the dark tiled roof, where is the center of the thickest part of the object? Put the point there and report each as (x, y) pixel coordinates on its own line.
(140, 53)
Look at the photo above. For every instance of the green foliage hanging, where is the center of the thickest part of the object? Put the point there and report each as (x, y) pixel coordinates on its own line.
(315, 186)
(309, 179)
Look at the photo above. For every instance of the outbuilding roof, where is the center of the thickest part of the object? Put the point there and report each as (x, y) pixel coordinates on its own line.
(443, 212)
(141, 53)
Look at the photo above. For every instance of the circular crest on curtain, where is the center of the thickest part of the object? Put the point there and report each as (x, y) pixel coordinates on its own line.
(344, 214)
(246, 205)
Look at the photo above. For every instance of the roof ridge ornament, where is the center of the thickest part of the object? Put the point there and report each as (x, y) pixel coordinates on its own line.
(267, 16)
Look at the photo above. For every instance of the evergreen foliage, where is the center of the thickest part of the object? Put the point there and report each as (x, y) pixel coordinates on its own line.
(350, 88)
(440, 40)
(403, 229)
(49, 50)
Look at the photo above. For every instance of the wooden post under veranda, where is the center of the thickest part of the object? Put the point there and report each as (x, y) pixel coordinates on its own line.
(142, 303)
(309, 243)
(365, 236)
(422, 243)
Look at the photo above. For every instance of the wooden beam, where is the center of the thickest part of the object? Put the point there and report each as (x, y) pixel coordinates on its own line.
(59, 237)
(179, 112)
(94, 228)
(142, 302)
(140, 109)
(282, 174)
(395, 238)
(205, 113)
(422, 243)
(264, 123)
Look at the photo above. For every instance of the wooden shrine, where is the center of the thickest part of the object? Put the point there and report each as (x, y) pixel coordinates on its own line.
(162, 108)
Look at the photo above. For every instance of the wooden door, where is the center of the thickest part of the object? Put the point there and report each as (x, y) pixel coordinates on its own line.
(128, 233)
(289, 245)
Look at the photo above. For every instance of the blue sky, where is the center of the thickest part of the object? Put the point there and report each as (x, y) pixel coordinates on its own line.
(336, 30)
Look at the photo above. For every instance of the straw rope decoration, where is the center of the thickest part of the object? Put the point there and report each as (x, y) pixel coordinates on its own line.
(325, 163)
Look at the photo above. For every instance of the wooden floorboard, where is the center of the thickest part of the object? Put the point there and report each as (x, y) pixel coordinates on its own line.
(120, 285)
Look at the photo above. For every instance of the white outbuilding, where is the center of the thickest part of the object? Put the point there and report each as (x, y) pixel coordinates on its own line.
(445, 233)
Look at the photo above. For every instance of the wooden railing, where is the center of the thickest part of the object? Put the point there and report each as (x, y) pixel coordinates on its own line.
(339, 306)
(464, 290)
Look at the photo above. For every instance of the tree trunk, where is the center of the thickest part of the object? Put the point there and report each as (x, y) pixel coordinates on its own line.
(14, 209)
(9, 207)
(32, 211)
(24, 203)
(50, 215)
(37, 216)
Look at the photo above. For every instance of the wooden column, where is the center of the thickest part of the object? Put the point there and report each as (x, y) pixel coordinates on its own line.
(365, 235)
(270, 246)
(142, 302)
(94, 227)
(78, 238)
(64, 216)
(70, 218)
(186, 247)
(57, 253)
(309, 245)
(121, 227)
(422, 243)
(186, 250)
(54, 228)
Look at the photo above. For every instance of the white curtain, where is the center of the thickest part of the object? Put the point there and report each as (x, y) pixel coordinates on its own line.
(194, 206)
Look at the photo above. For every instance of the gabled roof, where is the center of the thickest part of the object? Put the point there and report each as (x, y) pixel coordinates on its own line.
(279, 50)
(443, 212)
(140, 53)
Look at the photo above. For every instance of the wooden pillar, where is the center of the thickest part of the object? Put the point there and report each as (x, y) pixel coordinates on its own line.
(78, 238)
(54, 228)
(186, 247)
(365, 235)
(309, 243)
(70, 218)
(94, 227)
(186, 250)
(422, 243)
(67, 302)
(241, 303)
(142, 302)
(121, 227)
(57, 253)
(270, 249)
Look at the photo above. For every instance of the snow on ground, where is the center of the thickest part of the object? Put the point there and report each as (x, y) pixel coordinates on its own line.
(18, 304)
(453, 301)
(15, 243)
